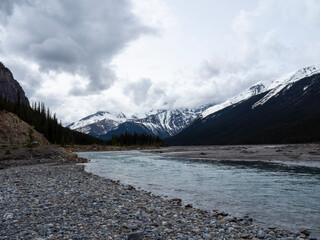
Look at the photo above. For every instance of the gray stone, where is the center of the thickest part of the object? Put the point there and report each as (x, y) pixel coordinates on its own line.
(134, 236)
(245, 236)
(8, 216)
(261, 234)
(229, 218)
(84, 206)
(206, 236)
(269, 237)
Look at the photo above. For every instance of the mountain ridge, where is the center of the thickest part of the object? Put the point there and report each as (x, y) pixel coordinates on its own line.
(251, 91)
(166, 122)
(161, 122)
(291, 115)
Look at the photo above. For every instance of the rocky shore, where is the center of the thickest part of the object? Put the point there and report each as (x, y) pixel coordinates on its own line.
(62, 201)
(19, 155)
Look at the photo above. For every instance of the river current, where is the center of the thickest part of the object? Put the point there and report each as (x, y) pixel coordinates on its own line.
(285, 196)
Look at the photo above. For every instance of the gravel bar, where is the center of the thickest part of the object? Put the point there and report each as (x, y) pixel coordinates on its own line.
(62, 201)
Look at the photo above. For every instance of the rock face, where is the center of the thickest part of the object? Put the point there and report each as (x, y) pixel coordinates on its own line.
(10, 88)
(15, 131)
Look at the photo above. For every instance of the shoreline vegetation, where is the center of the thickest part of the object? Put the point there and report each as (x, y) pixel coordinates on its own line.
(43, 121)
(57, 199)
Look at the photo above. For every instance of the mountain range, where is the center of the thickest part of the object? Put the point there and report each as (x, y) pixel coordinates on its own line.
(286, 111)
(163, 123)
(249, 117)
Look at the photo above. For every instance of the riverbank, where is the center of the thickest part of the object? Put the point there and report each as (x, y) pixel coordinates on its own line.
(103, 148)
(58, 201)
(297, 154)
(20, 155)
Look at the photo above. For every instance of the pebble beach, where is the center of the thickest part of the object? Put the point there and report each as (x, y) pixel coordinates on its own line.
(62, 201)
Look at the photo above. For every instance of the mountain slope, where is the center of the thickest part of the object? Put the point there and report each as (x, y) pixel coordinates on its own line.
(98, 123)
(15, 131)
(286, 82)
(252, 91)
(40, 118)
(290, 115)
(163, 123)
(127, 127)
(10, 89)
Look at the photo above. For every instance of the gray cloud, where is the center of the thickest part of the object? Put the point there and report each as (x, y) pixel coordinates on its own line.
(6, 9)
(265, 46)
(73, 36)
(208, 70)
(7, 6)
(313, 7)
(139, 90)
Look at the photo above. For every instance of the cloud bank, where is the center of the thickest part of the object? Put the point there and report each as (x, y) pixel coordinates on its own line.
(82, 56)
(70, 36)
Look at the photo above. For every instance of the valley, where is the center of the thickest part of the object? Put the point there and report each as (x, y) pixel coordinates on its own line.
(159, 120)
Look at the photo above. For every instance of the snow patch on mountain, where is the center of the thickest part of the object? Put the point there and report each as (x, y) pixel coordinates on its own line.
(161, 122)
(286, 82)
(252, 91)
(97, 117)
(170, 122)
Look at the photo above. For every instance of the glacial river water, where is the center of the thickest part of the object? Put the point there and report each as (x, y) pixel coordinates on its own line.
(272, 194)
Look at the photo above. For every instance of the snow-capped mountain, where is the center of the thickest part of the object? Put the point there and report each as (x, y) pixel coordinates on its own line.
(99, 123)
(166, 123)
(163, 123)
(273, 89)
(286, 82)
(98, 116)
(287, 111)
(252, 91)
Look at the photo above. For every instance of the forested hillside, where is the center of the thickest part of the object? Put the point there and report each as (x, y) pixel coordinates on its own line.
(46, 123)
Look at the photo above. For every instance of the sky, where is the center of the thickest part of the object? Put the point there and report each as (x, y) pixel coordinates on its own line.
(79, 56)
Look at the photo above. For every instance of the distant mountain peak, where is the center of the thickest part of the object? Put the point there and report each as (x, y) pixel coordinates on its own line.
(251, 91)
(291, 116)
(115, 118)
(286, 81)
(257, 88)
(161, 122)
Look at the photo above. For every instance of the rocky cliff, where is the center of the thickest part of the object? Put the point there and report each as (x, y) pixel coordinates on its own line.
(10, 88)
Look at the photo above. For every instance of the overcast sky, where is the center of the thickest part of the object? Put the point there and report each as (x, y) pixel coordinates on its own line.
(82, 56)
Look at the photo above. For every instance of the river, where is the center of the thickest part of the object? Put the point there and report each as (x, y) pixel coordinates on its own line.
(286, 196)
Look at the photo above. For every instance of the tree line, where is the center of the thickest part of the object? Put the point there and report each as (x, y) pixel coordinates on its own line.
(128, 139)
(46, 122)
